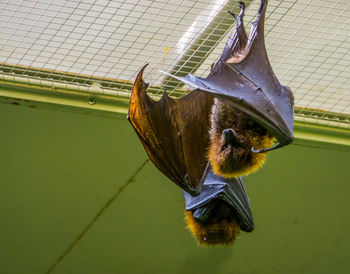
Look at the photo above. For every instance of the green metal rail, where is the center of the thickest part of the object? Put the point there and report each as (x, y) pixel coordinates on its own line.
(96, 99)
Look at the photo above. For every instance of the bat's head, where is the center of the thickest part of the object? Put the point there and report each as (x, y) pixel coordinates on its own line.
(220, 228)
(232, 136)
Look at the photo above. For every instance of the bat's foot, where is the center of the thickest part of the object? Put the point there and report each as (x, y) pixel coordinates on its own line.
(240, 16)
(263, 3)
(241, 13)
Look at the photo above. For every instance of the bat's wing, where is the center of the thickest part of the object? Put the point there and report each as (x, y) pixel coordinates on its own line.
(244, 78)
(174, 133)
(230, 190)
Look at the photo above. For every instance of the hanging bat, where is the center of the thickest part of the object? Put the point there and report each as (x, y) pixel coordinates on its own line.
(223, 128)
(218, 214)
(243, 80)
(175, 135)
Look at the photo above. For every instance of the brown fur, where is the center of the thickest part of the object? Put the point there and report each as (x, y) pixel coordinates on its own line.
(237, 160)
(215, 232)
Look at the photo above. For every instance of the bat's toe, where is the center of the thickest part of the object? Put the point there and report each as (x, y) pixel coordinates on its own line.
(242, 5)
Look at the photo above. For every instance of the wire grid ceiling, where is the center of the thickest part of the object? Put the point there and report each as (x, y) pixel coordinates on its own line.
(308, 42)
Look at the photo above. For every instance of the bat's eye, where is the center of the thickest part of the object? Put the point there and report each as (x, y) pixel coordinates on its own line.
(251, 124)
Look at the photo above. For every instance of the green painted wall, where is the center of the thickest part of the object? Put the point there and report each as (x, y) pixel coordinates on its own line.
(76, 197)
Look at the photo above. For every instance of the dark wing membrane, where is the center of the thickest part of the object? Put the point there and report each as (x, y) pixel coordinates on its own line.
(230, 190)
(245, 79)
(174, 133)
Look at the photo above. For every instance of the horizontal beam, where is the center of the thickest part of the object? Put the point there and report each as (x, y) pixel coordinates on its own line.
(307, 132)
(322, 136)
(70, 97)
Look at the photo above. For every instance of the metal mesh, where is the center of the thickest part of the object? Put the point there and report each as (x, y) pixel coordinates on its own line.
(104, 43)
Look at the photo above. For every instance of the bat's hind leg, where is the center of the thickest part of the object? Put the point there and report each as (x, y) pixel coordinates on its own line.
(241, 13)
(239, 34)
(240, 16)
(263, 3)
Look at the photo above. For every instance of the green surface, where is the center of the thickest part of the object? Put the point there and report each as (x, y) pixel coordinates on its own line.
(73, 199)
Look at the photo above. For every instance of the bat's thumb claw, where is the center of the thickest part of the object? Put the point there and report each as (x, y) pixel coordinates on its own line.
(262, 150)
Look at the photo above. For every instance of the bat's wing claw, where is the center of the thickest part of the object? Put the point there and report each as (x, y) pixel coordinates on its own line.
(262, 150)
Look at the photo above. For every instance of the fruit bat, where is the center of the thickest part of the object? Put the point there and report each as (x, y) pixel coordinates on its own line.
(218, 132)
(243, 78)
(220, 211)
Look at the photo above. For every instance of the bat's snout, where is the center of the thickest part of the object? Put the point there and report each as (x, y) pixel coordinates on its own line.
(230, 137)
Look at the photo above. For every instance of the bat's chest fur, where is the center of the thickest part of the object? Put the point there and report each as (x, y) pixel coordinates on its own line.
(233, 134)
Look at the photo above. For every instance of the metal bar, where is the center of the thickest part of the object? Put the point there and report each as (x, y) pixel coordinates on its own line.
(38, 79)
(319, 136)
(60, 98)
(201, 46)
(329, 135)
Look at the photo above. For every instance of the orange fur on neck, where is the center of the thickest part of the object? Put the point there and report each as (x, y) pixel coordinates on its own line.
(223, 232)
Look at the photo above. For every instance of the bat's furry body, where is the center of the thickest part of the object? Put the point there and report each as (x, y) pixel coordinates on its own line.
(234, 157)
(229, 158)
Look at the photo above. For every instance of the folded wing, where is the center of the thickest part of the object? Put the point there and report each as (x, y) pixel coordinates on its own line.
(174, 133)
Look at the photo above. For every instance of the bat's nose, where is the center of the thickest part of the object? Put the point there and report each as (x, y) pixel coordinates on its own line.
(230, 136)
